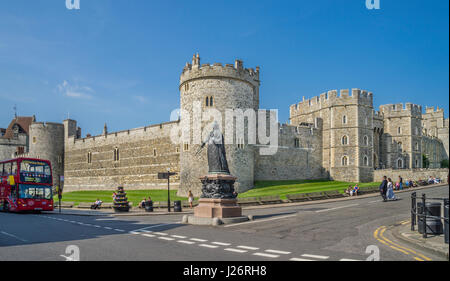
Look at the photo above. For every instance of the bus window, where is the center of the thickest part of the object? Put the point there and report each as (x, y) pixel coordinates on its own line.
(7, 169)
(14, 168)
(1, 170)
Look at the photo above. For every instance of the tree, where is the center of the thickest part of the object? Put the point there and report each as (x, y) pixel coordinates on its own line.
(444, 163)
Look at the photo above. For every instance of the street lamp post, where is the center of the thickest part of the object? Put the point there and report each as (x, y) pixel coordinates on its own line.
(168, 189)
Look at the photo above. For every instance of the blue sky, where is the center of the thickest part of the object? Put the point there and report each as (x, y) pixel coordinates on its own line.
(119, 61)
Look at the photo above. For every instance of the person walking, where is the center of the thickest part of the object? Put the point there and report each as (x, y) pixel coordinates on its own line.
(383, 188)
(400, 182)
(190, 198)
(390, 190)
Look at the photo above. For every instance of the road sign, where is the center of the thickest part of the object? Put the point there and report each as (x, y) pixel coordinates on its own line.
(165, 176)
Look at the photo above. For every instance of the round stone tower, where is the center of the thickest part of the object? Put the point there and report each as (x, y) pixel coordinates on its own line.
(47, 142)
(207, 90)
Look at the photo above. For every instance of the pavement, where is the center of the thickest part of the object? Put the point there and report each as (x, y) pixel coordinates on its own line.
(341, 230)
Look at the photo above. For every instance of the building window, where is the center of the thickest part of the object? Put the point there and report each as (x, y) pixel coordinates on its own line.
(89, 157)
(240, 143)
(344, 140)
(399, 130)
(400, 146)
(186, 87)
(207, 101)
(116, 154)
(366, 161)
(186, 147)
(211, 101)
(154, 151)
(366, 140)
(297, 143)
(417, 163)
(400, 163)
(59, 159)
(344, 119)
(177, 149)
(345, 161)
(417, 146)
(34, 140)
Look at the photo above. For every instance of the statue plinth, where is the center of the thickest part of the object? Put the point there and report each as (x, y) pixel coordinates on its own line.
(218, 199)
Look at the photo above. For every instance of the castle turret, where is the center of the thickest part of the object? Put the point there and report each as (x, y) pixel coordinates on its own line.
(214, 89)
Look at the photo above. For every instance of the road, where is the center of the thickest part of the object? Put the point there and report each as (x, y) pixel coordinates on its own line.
(324, 231)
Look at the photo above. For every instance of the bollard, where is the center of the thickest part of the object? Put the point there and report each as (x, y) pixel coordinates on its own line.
(413, 210)
(424, 216)
(446, 221)
(177, 206)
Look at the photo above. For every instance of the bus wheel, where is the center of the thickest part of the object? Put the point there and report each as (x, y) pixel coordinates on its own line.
(6, 207)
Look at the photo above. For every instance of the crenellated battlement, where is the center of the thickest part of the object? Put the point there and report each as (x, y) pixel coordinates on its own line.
(195, 70)
(332, 98)
(378, 114)
(401, 109)
(432, 109)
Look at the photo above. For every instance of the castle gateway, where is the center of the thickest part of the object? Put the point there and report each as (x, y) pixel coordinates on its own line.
(334, 135)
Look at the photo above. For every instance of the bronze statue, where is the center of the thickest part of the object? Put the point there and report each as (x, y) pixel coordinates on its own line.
(217, 158)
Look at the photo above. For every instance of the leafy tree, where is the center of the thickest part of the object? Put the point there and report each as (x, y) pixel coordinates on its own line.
(444, 163)
(425, 161)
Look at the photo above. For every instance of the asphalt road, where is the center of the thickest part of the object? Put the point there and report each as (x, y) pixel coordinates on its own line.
(325, 231)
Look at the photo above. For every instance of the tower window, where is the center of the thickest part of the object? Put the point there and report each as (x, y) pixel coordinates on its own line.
(34, 140)
(207, 101)
(154, 151)
(186, 87)
(116, 154)
(297, 143)
(89, 157)
(400, 164)
(186, 147)
(344, 119)
(344, 140)
(366, 140)
(366, 161)
(345, 161)
(240, 143)
(399, 130)
(211, 101)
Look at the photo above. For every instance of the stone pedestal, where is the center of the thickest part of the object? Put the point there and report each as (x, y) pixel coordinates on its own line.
(217, 208)
(218, 198)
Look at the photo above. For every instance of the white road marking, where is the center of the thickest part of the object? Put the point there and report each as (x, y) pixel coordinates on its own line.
(315, 256)
(153, 226)
(256, 221)
(299, 259)
(266, 255)
(133, 232)
(208, 246)
(98, 226)
(13, 236)
(120, 230)
(277, 252)
(178, 236)
(235, 250)
(107, 227)
(221, 244)
(248, 248)
(374, 201)
(186, 242)
(331, 209)
(198, 240)
(160, 233)
(166, 238)
(148, 235)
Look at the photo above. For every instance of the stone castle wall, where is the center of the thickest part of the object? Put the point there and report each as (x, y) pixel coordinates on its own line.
(143, 153)
(410, 174)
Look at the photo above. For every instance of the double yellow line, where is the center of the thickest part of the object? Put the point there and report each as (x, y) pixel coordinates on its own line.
(379, 235)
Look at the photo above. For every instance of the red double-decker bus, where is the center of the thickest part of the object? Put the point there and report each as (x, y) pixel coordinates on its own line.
(26, 185)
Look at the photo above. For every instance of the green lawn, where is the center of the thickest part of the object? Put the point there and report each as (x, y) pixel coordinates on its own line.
(282, 188)
(134, 196)
(262, 188)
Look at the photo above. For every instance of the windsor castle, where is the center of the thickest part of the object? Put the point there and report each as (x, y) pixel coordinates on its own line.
(336, 135)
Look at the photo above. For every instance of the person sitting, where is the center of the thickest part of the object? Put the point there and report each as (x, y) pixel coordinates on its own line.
(437, 180)
(349, 191)
(430, 180)
(97, 204)
(142, 204)
(356, 190)
(397, 186)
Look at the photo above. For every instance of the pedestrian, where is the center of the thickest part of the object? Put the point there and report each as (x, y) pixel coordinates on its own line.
(356, 190)
(390, 190)
(190, 198)
(142, 205)
(400, 182)
(383, 188)
(97, 204)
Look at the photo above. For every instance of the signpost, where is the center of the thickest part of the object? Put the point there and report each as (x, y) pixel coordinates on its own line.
(59, 189)
(163, 176)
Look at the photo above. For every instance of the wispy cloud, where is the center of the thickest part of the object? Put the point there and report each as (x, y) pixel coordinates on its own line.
(75, 91)
(140, 99)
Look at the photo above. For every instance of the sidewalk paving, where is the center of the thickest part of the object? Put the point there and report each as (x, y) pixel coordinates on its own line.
(434, 243)
(110, 212)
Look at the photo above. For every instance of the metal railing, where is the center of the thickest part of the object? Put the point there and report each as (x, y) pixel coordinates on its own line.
(423, 216)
